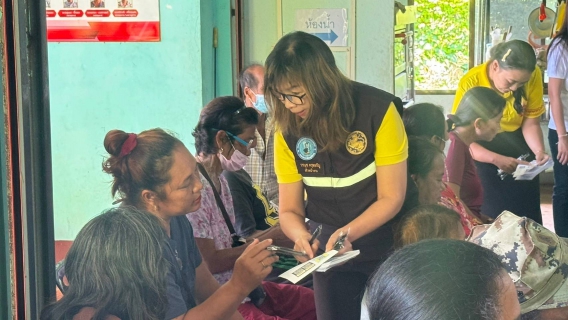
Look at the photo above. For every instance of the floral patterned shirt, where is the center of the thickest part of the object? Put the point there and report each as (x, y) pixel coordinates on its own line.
(451, 201)
(208, 221)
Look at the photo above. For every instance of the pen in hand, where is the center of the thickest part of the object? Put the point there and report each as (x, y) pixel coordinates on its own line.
(315, 235)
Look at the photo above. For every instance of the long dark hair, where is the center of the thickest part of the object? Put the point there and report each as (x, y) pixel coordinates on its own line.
(437, 279)
(515, 55)
(303, 59)
(222, 113)
(116, 266)
(421, 155)
(561, 38)
(145, 167)
(477, 102)
(424, 120)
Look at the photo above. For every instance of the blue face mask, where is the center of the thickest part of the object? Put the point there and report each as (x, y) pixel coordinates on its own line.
(260, 105)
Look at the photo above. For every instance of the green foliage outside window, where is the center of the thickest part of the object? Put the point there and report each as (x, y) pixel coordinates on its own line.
(441, 52)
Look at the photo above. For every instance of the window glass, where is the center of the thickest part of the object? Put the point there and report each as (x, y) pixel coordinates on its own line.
(441, 55)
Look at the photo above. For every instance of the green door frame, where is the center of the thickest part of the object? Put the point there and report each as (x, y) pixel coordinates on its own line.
(27, 207)
(5, 256)
(6, 285)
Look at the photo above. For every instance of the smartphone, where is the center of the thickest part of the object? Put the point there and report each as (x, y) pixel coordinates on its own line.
(286, 251)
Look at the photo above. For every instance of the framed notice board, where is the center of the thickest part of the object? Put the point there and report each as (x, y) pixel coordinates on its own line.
(333, 21)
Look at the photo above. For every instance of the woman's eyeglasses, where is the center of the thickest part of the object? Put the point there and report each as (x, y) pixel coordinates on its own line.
(290, 97)
(241, 141)
(440, 139)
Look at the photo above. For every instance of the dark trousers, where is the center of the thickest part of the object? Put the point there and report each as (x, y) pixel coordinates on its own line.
(338, 294)
(520, 197)
(560, 191)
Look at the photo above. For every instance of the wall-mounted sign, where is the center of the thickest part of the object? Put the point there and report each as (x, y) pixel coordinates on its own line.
(103, 20)
(330, 25)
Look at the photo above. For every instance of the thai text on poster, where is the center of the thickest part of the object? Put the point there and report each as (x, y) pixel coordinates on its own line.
(103, 20)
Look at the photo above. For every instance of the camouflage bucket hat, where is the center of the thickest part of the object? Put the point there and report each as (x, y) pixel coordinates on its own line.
(535, 258)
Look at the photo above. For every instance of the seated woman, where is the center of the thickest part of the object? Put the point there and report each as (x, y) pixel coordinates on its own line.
(442, 279)
(427, 120)
(477, 119)
(257, 217)
(426, 168)
(155, 172)
(430, 222)
(115, 269)
(223, 138)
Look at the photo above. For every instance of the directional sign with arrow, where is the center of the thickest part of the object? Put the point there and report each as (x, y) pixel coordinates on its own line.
(330, 25)
(329, 36)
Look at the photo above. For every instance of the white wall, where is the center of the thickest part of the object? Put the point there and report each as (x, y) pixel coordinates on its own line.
(446, 101)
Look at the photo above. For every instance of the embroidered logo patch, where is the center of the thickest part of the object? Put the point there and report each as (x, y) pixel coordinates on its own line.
(356, 142)
(306, 148)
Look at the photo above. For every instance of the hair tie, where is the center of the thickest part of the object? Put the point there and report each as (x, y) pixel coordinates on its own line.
(128, 145)
(453, 122)
(240, 109)
(506, 55)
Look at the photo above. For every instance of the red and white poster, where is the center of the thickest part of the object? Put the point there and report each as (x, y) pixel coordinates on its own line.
(103, 20)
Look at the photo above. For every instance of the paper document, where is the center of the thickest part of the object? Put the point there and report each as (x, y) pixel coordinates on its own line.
(301, 271)
(338, 260)
(528, 172)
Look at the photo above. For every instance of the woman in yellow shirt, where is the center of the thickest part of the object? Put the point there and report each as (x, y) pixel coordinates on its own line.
(344, 144)
(511, 71)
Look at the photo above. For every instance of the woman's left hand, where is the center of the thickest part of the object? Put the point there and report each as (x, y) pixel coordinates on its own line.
(541, 157)
(346, 244)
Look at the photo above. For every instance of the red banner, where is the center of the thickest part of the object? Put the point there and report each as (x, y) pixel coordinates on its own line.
(109, 21)
(106, 31)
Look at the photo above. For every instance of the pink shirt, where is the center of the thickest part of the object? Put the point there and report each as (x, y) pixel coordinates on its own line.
(208, 222)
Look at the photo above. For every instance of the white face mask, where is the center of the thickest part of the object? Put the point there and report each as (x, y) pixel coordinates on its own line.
(237, 162)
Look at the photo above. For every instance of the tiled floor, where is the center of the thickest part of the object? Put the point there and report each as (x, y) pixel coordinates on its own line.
(546, 206)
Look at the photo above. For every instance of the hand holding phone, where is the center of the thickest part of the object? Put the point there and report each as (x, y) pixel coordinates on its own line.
(285, 251)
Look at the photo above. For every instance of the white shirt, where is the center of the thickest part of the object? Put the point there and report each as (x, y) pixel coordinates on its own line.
(364, 310)
(558, 68)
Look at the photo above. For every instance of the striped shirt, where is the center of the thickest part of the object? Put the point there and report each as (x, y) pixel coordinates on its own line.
(260, 165)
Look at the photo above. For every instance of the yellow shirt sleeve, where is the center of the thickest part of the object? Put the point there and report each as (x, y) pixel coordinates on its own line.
(463, 86)
(535, 104)
(473, 78)
(391, 144)
(284, 161)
